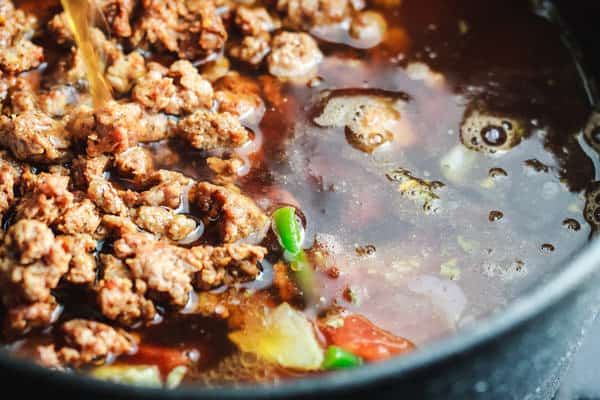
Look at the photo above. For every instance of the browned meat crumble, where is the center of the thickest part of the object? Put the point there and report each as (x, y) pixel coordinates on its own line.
(86, 342)
(270, 178)
(105, 231)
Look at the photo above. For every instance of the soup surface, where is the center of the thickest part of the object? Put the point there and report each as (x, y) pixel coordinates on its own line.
(281, 188)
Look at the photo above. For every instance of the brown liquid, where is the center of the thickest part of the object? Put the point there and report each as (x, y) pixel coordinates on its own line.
(505, 62)
(79, 14)
(495, 55)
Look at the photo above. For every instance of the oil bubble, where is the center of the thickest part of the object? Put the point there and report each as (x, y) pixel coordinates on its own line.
(547, 247)
(571, 224)
(488, 133)
(592, 131)
(495, 215)
(591, 211)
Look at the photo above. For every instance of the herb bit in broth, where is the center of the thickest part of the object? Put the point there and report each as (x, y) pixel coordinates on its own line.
(280, 189)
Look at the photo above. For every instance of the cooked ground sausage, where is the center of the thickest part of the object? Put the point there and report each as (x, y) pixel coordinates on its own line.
(86, 342)
(234, 215)
(191, 29)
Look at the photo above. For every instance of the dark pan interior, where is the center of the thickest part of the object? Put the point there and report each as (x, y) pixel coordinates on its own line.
(582, 19)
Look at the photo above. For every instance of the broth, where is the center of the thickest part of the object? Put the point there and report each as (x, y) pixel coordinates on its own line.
(439, 173)
(79, 16)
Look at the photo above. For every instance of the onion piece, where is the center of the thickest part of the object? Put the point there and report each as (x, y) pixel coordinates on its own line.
(283, 336)
(137, 375)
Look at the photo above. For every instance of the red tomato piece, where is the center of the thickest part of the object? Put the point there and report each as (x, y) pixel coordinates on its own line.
(166, 358)
(363, 338)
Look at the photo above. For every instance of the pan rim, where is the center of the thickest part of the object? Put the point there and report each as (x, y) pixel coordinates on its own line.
(528, 306)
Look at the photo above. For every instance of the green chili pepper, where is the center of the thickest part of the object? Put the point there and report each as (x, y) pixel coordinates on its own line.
(304, 276)
(338, 358)
(298, 262)
(288, 229)
(290, 235)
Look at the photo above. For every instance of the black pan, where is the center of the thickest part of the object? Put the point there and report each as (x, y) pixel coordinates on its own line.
(519, 353)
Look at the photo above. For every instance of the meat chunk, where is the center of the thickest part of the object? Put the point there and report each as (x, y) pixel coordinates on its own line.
(135, 163)
(121, 70)
(158, 126)
(115, 127)
(251, 49)
(84, 169)
(59, 28)
(23, 55)
(32, 261)
(5, 85)
(115, 130)
(23, 318)
(124, 72)
(86, 342)
(118, 225)
(30, 241)
(227, 264)
(233, 215)
(10, 173)
(306, 14)
(192, 29)
(294, 55)
(226, 170)
(46, 196)
(34, 136)
(117, 14)
(256, 24)
(212, 305)
(164, 222)
(71, 69)
(80, 217)
(168, 190)
(106, 197)
(119, 298)
(160, 266)
(113, 14)
(177, 90)
(207, 130)
(255, 21)
(369, 27)
(82, 267)
(168, 271)
(16, 30)
(22, 96)
(240, 96)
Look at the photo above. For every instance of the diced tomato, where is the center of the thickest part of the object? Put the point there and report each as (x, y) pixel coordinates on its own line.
(166, 358)
(363, 338)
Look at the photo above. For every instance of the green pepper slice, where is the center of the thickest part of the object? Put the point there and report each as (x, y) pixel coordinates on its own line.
(288, 229)
(338, 358)
(290, 234)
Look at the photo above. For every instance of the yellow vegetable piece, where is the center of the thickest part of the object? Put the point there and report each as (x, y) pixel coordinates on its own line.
(175, 377)
(138, 375)
(283, 336)
(450, 269)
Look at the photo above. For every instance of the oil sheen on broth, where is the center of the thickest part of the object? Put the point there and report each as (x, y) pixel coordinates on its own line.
(441, 172)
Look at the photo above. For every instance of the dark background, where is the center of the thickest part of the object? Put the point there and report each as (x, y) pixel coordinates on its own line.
(583, 19)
